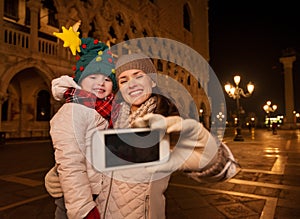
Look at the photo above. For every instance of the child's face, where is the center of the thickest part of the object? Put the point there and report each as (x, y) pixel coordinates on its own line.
(135, 86)
(98, 84)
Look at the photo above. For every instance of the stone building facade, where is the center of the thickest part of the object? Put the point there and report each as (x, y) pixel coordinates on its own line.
(32, 56)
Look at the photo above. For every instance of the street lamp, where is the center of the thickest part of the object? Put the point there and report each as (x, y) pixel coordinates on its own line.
(268, 109)
(296, 116)
(201, 115)
(236, 92)
(220, 116)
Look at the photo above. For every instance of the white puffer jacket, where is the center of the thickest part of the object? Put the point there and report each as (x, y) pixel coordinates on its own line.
(120, 196)
(71, 131)
(126, 199)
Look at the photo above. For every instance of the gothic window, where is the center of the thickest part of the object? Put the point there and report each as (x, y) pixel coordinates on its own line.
(49, 4)
(175, 71)
(112, 32)
(52, 21)
(159, 65)
(145, 34)
(27, 16)
(150, 50)
(43, 106)
(124, 50)
(133, 27)
(189, 80)
(4, 115)
(119, 19)
(126, 37)
(186, 17)
(92, 31)
(169, 65)
(139, 45)
(11, 9)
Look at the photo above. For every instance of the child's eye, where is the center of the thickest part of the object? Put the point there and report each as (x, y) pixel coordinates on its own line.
(107, 79)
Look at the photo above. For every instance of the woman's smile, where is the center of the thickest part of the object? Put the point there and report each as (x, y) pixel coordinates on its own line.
(135, 86)
(136, 93)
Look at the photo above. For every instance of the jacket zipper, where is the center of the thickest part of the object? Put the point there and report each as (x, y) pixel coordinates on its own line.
(107, 200)
(147, 207)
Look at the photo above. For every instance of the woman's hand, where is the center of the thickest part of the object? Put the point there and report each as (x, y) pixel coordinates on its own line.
(52, 183)
(157, 121)
(196, 150)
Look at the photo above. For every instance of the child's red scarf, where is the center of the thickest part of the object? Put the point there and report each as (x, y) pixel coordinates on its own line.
(102, 106)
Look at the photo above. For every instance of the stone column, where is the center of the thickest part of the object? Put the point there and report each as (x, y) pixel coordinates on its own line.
(62, 52)
(1, 20)
(85, 28)
(34, 6)
(287, 61)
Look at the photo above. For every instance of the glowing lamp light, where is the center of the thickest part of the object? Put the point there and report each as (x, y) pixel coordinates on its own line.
(237, 79)
(250, 87)
(227, 87)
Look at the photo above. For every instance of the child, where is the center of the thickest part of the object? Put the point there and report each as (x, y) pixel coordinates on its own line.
(87, 109)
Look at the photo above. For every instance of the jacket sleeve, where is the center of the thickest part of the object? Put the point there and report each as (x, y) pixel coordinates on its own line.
(196, 151)
(68, 129)
(60, 85)
(202, 156)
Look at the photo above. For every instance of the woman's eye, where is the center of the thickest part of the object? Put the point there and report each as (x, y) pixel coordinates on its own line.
(139, 76)
(122, 82)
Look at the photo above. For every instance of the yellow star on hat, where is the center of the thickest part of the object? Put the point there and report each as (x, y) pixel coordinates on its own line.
(71, 39)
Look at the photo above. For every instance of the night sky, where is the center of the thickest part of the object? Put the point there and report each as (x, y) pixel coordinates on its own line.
(247, 38)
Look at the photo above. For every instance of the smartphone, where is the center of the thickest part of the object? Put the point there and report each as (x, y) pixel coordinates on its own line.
(116, 149)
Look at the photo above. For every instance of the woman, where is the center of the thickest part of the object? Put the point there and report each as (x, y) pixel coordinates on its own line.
(138, 192)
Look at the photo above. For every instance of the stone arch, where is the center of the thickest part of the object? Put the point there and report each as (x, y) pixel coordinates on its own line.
(44, 70)
(191, 14)
(18, 86)
(42, 105)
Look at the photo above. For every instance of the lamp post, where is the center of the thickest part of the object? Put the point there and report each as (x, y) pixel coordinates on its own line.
(297, 117)
(268, 109)
(236, 93)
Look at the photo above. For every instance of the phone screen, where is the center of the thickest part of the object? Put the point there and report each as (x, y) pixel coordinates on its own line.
(128, 148)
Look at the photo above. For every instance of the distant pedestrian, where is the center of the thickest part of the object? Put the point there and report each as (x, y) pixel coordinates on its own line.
(274, 128)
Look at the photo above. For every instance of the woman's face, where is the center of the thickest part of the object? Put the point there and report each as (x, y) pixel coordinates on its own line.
(98, 84)
(135, 86)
